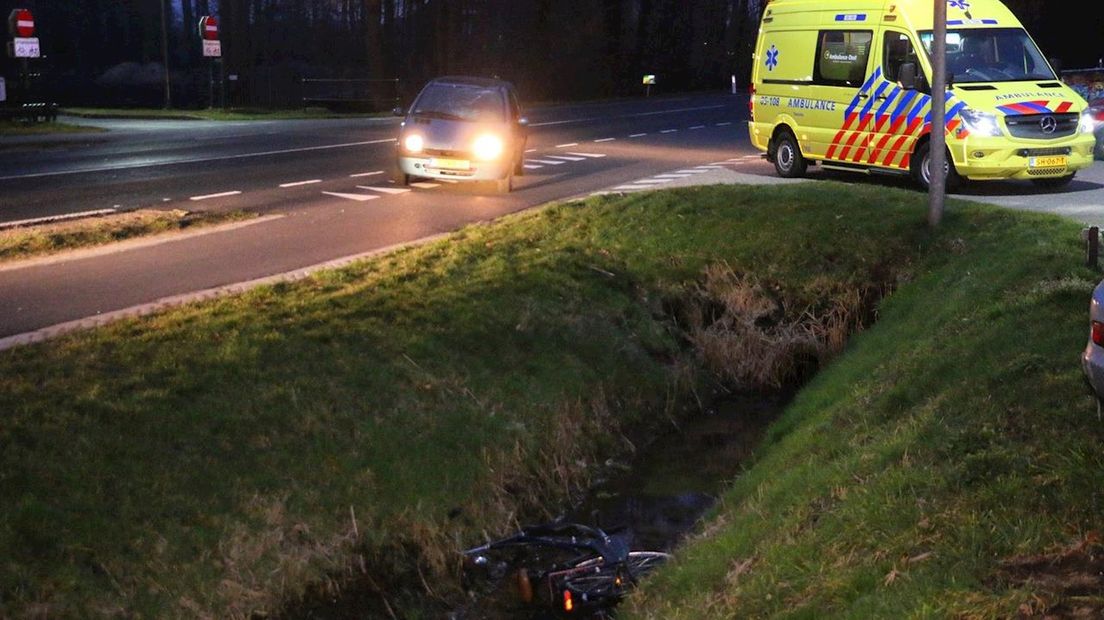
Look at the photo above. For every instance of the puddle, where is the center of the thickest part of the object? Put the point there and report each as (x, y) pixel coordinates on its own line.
(653, 500)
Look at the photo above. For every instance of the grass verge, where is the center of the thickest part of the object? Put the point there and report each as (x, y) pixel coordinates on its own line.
(47, 239)
(8, 128)
(218, 458)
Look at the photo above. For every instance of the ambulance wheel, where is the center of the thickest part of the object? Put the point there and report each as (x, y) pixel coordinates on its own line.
(398, 177)
(788, 160)
(921, 169)
(1054, 182)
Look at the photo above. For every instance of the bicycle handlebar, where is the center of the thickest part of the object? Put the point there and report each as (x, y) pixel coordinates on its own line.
(563, 536)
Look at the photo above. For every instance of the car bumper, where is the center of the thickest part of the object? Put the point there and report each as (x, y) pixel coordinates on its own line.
(430, 168)
(1092, 362)
(980, 159)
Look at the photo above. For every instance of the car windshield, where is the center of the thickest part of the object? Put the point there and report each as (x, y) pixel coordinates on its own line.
(991, 55)
(463, 102)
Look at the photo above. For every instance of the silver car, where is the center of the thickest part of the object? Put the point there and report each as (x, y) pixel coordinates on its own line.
(463, 129)
(1092, 360)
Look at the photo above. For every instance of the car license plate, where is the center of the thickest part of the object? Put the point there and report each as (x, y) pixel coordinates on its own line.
(1048, 162)
(450, 164)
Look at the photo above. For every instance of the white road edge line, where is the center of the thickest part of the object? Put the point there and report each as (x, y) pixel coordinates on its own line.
(632, 187)
(196, 160)
(549, 162)
(566, 158)
(300, 183)
(55, 218)
(590, 155)
(532, 167)
(164, 303)
(219, 195)
(365, 174)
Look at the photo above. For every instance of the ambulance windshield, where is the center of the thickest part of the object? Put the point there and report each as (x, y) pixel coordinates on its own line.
(991, 55)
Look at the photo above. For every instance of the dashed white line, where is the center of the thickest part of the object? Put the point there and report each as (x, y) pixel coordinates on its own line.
(532, 167)
(638, 135)
(356, 197)
(566, 157)
(723, 124)
(547, 162)
(605, 140)
(300, 183)
(425, 185)
(590, 155)
(673, 176)
(365, 174)
(531, 151)
(210, 196)
(697, 127)
(568, 145)
(669, 131)
(384, 190)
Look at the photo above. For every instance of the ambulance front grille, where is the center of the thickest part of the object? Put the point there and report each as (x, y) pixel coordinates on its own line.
(1047, 172)
(1033, 126)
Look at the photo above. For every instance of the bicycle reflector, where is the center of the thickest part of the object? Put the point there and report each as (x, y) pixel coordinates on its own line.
(568, 602)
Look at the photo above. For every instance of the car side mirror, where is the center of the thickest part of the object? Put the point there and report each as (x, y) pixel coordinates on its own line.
(907, 76)
(398, 112)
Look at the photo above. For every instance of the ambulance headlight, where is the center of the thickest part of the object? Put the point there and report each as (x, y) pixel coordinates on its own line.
(981, 123)
(1088, 122)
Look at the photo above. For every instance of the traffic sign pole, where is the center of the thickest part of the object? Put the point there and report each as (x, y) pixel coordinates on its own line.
(937, 158)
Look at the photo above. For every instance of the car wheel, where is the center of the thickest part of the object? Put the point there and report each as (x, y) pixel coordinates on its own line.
(921, 169)
(519, 166)
(789, 163)
(398, 177)
(505, 185)
(1054, 182)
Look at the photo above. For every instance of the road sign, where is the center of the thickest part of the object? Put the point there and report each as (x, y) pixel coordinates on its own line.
(212, 49)
(208, 28)
(21, 24)
(649, 80)
(24, 48)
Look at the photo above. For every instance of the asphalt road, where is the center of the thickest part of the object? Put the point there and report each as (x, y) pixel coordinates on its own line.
(325, 184)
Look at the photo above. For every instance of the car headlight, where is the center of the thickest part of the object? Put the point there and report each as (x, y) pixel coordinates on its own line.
(488, 148)
(981, 123)
(414, 143)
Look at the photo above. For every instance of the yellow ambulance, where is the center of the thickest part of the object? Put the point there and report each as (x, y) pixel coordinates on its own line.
(843, 84)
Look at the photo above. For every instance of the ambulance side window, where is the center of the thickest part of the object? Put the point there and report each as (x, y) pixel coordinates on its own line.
(842, 56)
(898, 51)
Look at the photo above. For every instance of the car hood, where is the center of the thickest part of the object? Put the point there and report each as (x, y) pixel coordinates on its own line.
(451, 135)
(1016, 98)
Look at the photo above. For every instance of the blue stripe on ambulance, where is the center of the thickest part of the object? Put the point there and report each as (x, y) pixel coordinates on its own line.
(889, 100)
(901, 107)
(870, 82)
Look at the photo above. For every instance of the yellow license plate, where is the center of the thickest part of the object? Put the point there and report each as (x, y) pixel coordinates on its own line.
(1048, 162)
(451, 164)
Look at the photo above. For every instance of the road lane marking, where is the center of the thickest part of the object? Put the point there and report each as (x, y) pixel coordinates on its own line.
(219, 195)
(568, 145)
(605, 140)
(384, 190)
(632, 187)
(723, 124)
(300, 183)
(449, 181)
(652, 181)
(547, 162)
(532, 167)
(566, 158)
(697, 127)
(195, 160)
(56, 218)
(424, 185)
(531, 151)
(638, 135)
(710, 167)
(365, 174)
(590, 155)
(673, 176)
(356, 197)
(668, 131)
(657, 113)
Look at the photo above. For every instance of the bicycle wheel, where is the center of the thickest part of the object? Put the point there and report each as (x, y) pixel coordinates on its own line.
(595, 581)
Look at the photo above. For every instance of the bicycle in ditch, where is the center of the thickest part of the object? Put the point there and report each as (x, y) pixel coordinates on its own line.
(568, 568)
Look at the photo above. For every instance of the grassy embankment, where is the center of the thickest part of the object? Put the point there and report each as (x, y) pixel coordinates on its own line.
(217, 458)
(43, 240)
(8, 128)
